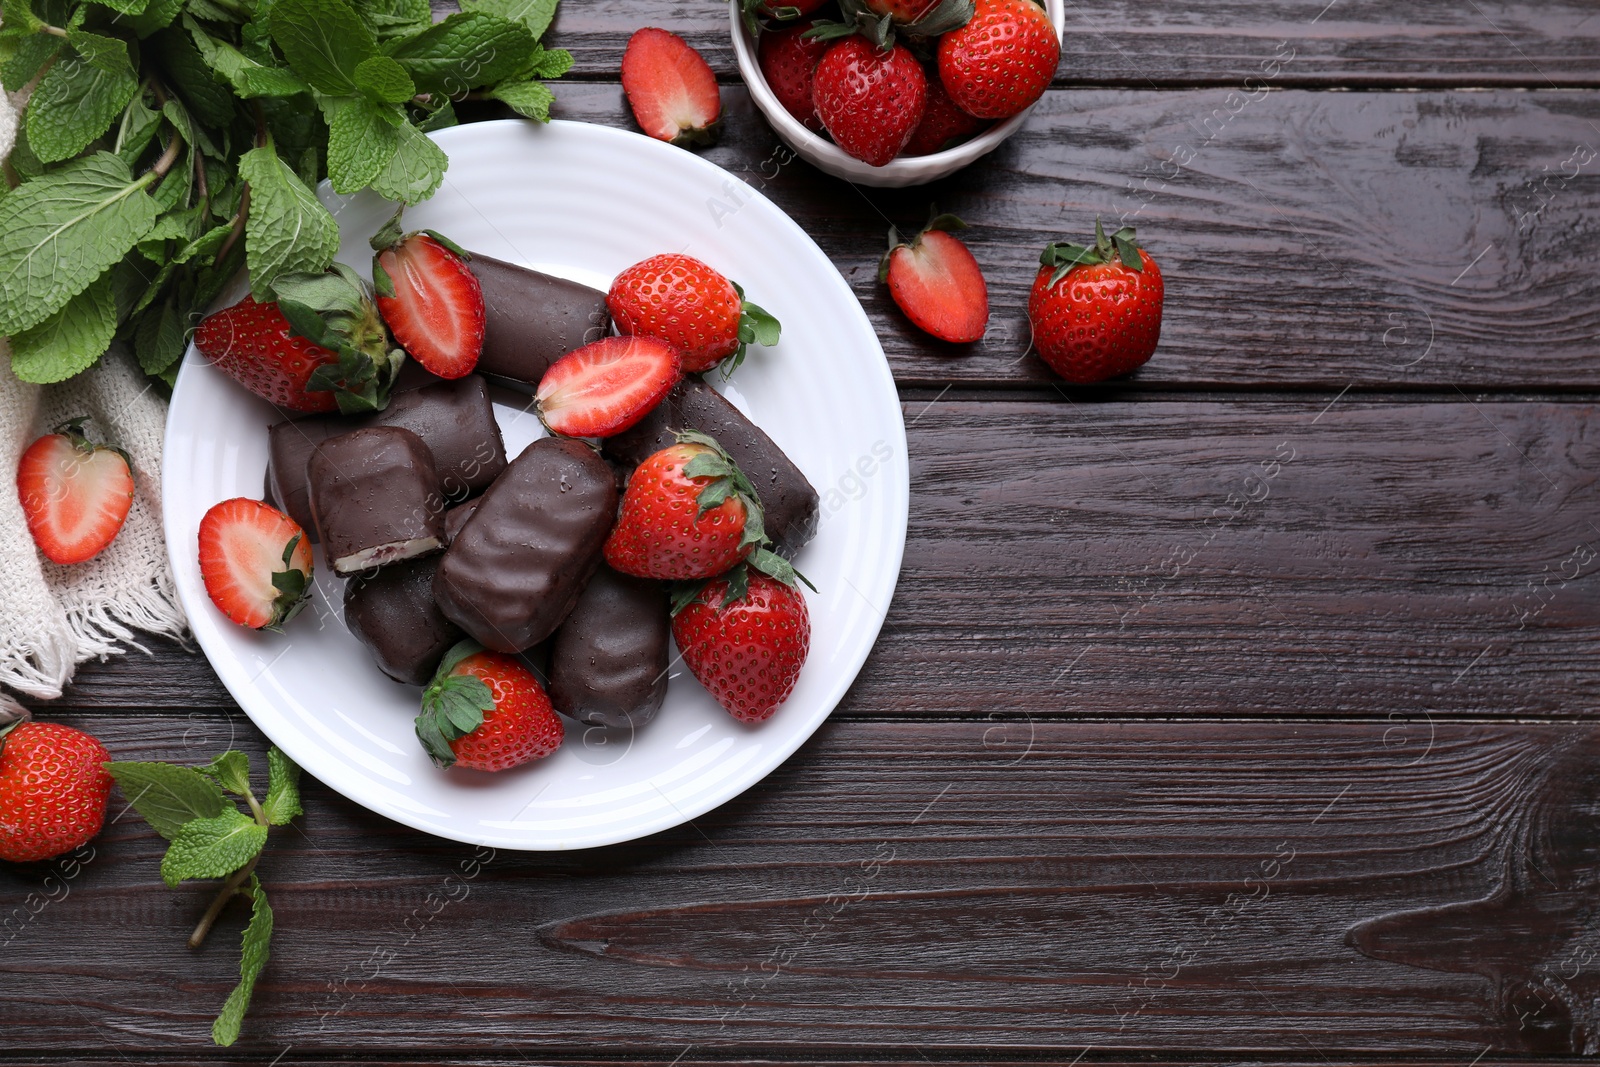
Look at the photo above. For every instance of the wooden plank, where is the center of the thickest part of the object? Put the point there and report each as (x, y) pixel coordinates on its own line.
(1308, 240)
(1245, 558)
(1124, 42)
(1319, 889)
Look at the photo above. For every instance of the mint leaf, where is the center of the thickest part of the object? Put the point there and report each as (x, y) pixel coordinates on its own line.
(59, 232)
(466, 50)
(159, 338)
(416, 170)
(157, 15)
(74, 103)
(256, 952)
(30, 56)
(212, 848)
(185, 70)
(535, 15)
(287, 228)
(324, 41)
(108, 54)
(531, 100)
(126, 7)
(70, 340)
(249, 78)
(283, 788)
(136, 130)
(394, 18)
(231, 769)
(550, 63)
(384, 80)
(362, 138)
(168, 796)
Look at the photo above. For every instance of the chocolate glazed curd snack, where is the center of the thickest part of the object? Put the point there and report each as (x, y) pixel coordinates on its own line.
(608, 662)
(391, 610)
(375, 496)
(455, 419)
(787, 498)
(518, 565)
(532, 320)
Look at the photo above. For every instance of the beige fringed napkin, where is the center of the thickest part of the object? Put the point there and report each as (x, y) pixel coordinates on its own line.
(54, 618)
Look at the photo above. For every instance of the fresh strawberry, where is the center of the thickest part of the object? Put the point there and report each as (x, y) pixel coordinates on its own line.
(1002, 60)
(320, 347)
(745, 645)
(605, 387)
(688, 512)
(870, 101)
(671, 88)
(429, 298)
(1096, 312)
(75, 494)
(901, 11)
(486, 711)
(936, 281)
(789, 63)
(53, 789)
(943, 124)
(256, 563)
(682, 301)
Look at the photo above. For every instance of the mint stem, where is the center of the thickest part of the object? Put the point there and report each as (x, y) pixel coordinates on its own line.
(54, 31)
(168, 158)
(229, 890)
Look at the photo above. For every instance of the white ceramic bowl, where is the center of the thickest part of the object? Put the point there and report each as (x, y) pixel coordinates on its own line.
(831, 159)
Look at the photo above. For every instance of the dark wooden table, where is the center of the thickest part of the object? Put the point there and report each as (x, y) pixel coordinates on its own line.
(1238, 712)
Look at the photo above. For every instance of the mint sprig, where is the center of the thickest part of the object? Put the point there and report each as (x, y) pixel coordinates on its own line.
(212, 838)
(168, 142)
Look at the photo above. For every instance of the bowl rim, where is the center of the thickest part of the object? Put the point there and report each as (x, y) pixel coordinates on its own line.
(792, 130)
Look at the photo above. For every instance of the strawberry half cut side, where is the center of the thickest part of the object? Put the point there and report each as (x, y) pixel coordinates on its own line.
(256, 563)
(430, 299)
(606, 387)
(671, 88)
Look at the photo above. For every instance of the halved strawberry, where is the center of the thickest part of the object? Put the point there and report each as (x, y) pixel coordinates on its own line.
(937, 282)
(256, 563)
(430, 299)
(671, 88)
(75, 494)
(605, 387)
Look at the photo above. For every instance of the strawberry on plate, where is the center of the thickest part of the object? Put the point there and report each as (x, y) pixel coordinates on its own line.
(745, 636)
(604, 388)
(691, 306)
(486, 711)
(936, 281)
(1096, 311)
(320, 347)
(76, 495)
(256, 563)
(1002, 60)
(688, 512)
(870, 100)
(429, 298)
(53, 789)
(671, 88)
(788, 61)
(943, 124)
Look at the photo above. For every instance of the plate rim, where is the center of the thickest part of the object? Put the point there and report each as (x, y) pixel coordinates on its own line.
(898, 512)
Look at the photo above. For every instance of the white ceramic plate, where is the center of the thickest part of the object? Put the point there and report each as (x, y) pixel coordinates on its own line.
(582, 201)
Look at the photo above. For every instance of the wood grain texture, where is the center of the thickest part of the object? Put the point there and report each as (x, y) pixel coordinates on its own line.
(1208, 887)
(1125, 42)
(1243, 558)
(1308, 240)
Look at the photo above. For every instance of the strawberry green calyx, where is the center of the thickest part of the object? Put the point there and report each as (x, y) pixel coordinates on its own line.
(936, 221)
(941, 17)
(452, 705)
(738, 578)
(293, 586)
(753, 11)
(335, 310)
(757, 325)
(727, 480)
(1119, 246)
